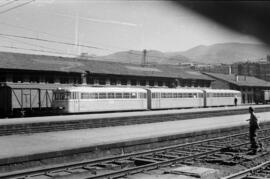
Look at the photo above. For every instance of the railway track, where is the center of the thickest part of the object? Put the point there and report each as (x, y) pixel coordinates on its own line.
(225, 150)
(261, 171)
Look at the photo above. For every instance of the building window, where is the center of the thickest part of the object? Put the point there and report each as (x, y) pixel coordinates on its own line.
(17, 78)
(34, 79)
(151, 83)
(123, 82)
(167, 83)
(113, 81)
(64, 80)
(102, 81)
(143, 83)
(90, 80)
(49, 79)
(133, 82)
(160, 83)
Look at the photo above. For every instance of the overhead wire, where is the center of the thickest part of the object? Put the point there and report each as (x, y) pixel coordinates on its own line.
(30, 44)
(53, 41)
(8, 3)
(15, 7)
(36, 50)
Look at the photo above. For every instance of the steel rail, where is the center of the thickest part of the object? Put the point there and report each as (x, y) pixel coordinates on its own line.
(127, 156)
(245, 173)
(158, 164)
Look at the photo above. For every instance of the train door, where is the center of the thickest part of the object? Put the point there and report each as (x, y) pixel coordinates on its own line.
(26, 98)
(149, 99)
(204, 98)
(76, 101)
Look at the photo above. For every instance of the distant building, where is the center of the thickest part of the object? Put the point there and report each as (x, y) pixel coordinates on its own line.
(248, 85)
(213, 68)
(259, 69)
(27, 68)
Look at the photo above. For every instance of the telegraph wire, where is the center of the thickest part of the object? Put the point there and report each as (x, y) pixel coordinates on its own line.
(10, 2)
(36, 50)
(53, 41)
(30, 44)
(15, 7)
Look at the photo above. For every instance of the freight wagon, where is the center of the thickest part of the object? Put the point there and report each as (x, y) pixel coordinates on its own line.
(19, 99)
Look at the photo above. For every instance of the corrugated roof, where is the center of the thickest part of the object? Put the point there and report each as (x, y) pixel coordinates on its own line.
(242, 80)
(65, 64)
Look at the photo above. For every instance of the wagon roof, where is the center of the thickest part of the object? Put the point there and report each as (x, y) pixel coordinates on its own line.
(33, 85)
(17, 61)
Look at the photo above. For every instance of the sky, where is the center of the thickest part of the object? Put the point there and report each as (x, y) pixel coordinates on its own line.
(100, 27)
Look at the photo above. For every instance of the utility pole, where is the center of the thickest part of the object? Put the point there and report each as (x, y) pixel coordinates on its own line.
(144, 57)
(78, 48)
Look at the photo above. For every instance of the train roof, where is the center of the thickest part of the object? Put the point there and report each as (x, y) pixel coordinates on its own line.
(102, 89)
(164, 90)
(221, 91)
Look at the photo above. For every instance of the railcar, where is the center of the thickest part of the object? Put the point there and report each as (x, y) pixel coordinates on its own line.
(159, 98)
(221, 97)
(97, 99)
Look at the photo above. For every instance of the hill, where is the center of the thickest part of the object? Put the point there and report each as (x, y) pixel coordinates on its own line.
(136, 57)
(227, 52)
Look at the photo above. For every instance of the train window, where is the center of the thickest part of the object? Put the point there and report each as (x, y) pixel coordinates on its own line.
(111, 95)
(102, 95)
(194, 95)
(126, 95)
(93, 95)
(174, 95)
(168, 95)
(142, 95)
(163, 95)
(153, 95)
(118, 95)
(179, 95)
(200, 95)
(133, 95)
(84, 95)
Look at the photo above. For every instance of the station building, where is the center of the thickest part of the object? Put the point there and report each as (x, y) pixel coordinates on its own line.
(29, 68)
(248, 85)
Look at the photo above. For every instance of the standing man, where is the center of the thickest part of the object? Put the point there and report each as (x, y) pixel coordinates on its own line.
(253, 127)
(235, 100)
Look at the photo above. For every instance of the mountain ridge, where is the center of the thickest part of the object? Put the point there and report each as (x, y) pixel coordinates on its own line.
(225, 53)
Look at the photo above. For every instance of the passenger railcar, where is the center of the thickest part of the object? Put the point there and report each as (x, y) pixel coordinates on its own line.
(99, 99)
(94, 99)
(159, 98)
(219, 97)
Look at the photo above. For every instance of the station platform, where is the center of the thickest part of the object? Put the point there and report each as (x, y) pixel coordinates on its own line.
(86, 121)
(71, 117)
(42, 146)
